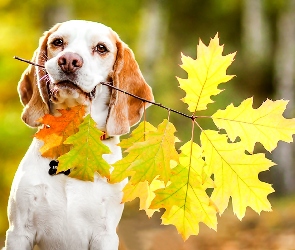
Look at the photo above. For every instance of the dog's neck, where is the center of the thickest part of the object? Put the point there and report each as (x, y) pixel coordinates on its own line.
(99, 108)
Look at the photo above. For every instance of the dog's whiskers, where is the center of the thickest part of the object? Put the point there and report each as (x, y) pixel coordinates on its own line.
(46, 77)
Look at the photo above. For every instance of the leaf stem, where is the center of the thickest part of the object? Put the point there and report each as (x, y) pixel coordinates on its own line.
(144, 117)
(199, 125)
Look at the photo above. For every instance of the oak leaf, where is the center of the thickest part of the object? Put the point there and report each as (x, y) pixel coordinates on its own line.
(204, 74)
(86, 155)
(151, 157)
(265, 124)
(56, 129)
(151, 153)
(185, 198)
(235, 174)
(123, 168)
(145, 192)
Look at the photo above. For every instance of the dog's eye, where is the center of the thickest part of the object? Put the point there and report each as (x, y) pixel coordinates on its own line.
(100, 48)
(58, 42)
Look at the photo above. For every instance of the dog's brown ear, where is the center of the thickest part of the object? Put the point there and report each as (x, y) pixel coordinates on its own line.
(125, 111)
(34, 106)
(32, 87)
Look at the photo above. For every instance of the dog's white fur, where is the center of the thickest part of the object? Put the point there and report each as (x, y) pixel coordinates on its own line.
(59, 212)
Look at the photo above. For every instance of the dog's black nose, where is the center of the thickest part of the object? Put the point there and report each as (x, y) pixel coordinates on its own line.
(70, 62)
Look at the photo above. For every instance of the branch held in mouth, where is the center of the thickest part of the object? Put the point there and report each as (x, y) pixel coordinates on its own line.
(109, 84)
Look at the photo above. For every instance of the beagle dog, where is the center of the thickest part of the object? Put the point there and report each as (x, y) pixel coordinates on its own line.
(57, 212)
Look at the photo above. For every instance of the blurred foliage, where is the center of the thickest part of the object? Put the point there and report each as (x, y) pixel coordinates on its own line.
(267, 231)
(23, 22)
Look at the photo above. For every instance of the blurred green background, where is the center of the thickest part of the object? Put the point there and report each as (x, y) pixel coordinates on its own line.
(261, 31)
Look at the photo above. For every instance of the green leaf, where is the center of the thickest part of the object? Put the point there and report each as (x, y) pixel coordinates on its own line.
(123, 167)
(149, 154)
(154, 155)
(85, 158)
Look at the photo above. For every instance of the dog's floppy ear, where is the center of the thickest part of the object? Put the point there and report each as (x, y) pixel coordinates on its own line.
(32, 87)
(125, 111)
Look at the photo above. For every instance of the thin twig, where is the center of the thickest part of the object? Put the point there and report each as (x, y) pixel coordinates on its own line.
(27, 61)
(151, 102)
(109, 84)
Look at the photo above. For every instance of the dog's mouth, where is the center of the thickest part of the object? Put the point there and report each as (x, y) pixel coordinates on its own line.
(70, 85)
(62, 90)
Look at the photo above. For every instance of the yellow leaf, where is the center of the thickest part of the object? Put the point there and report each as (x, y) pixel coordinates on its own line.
(145, 192)
(265, 124)
(204, 74)
(137, 135)
(151, 158)
(185, 198)
(123, 168)
(185, 220)
(235, 174)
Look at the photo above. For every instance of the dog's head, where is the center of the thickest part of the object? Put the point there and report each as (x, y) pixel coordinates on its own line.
(78, 56)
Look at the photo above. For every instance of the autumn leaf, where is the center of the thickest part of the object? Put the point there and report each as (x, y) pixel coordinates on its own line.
(145, 192)
(123, 168)
(235, 174)
(185, 198)
(137, 135)
(265, 124)
(153, 155)
(56, 129)
(149, 156)
(204, 74)
(138, 155)
(85, 157)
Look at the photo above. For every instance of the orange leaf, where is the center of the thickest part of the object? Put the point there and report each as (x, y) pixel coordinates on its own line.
(57, 129)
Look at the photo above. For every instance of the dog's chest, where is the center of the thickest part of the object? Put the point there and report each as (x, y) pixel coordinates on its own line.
(65, 213)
